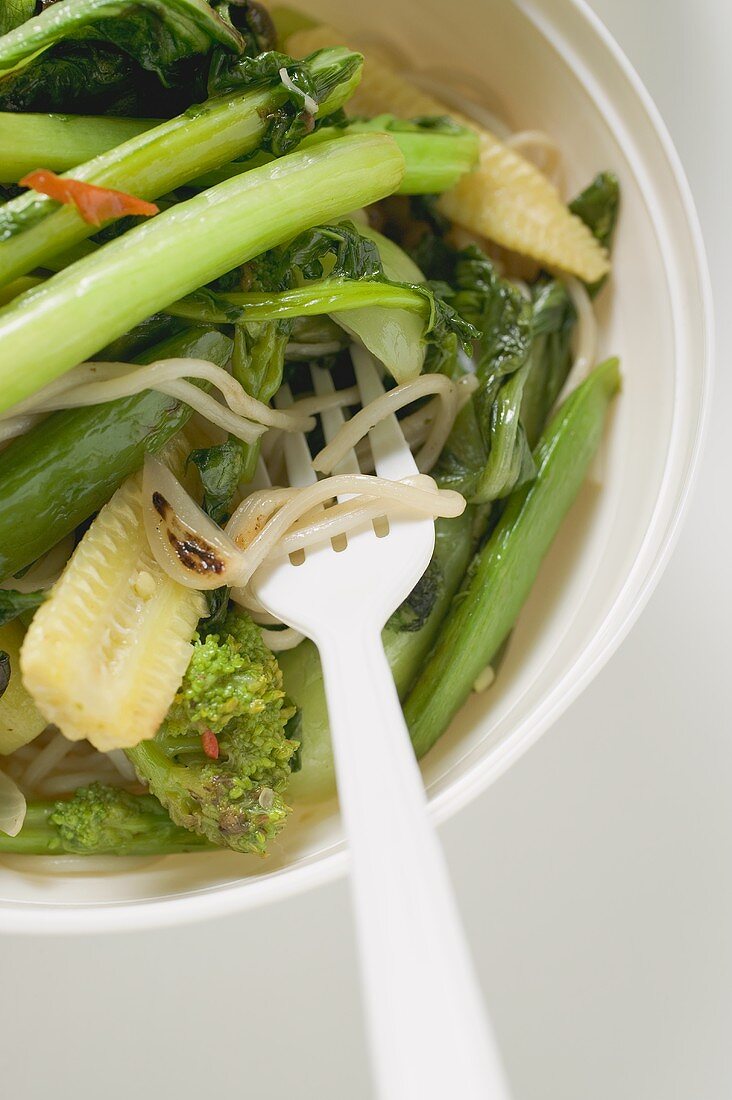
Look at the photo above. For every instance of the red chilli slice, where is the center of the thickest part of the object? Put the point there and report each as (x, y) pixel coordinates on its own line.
(210, 745)
(95, 204)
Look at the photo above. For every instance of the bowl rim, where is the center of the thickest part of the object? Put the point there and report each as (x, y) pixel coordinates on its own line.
(228, 898)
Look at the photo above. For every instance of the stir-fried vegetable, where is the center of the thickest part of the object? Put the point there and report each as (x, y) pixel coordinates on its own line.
(116, 55)
(100, 821)
(63, 470)
(189, 244)
(222, 759)
(105, 654)
(20, 720)
(501, 576)
(506, 199)
(33, 229)
(217, 204)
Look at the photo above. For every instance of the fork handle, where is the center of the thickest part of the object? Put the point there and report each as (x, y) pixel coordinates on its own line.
(430, 1035)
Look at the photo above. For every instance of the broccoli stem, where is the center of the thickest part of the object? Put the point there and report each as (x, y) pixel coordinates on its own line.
(59, 142)
(52, 328)
(152, 834)
(501, 576)
(157, 161)
(60, 472)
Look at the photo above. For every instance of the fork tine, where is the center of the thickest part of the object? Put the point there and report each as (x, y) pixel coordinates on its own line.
(333, 419)
(392, 456)
(261, 479)
(300, 472)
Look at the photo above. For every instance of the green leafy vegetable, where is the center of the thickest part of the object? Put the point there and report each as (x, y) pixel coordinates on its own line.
(33, 229)
(598, 206)
(66, 468)
(51, 328)
(487, 454)
(252, 21)
(15, 12)
(484, 611)
(414, 612)
(221, 760)
(13, 604)
(436, 156)
(553, 322)
(82, 55)
(220, 468)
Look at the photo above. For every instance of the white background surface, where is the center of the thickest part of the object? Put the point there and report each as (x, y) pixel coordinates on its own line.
(595, 878)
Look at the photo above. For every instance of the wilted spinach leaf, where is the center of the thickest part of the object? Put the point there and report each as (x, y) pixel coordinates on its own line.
(414, 612)
(15, 12)
(14, 603)
(598, 206)
(220, 471)
(291, 122)
(118, 56)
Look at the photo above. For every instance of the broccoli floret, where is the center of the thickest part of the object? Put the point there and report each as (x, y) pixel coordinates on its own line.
(100, 820)
(221, 759)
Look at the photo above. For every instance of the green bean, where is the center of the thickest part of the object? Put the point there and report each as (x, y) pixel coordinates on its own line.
(68, 466)
(500, 578)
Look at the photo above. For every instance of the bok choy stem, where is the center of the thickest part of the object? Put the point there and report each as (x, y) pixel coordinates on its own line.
(33, 228)
(59, 142)
(55, 326)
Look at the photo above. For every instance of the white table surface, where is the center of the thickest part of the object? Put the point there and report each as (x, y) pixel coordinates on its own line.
(595, 878)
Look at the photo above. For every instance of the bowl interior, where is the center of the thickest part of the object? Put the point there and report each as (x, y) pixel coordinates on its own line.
(552, 68)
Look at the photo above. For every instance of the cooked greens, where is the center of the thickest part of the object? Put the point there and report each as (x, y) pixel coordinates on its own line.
(288, 232)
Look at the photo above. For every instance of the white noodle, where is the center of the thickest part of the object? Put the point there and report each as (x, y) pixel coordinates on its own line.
(46, 571)
(68, 782)
(14, 426)
(95, 383)
(549, 159)
(197, 553)
(441, 420)
(281, 640)
(46, 760)
(584, 338)
(309, 103)
(312, 406)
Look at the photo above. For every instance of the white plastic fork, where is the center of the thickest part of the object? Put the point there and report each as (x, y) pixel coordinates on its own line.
(430, 1036)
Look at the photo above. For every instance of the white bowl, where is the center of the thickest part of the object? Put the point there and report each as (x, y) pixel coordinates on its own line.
(553, 67)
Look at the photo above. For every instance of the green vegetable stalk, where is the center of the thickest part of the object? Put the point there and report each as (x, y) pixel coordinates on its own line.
(52, 328)
(435, 157)
(33, 228)
(63, 470)
(100, 820)
(59, 142)
(502, 574)
(312, 300)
